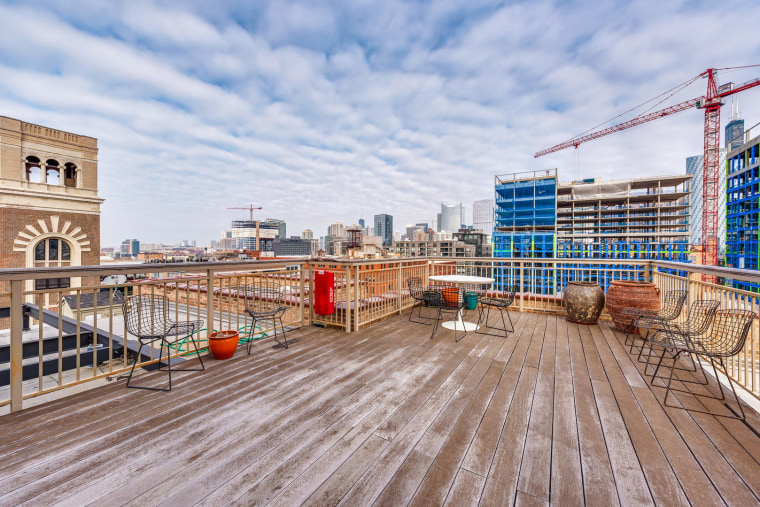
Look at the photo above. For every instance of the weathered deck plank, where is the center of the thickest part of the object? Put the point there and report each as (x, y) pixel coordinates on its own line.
(556, 413)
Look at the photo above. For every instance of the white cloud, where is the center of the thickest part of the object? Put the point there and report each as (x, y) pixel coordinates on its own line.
(320, 112)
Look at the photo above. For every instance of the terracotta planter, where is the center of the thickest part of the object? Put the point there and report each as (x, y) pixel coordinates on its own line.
(623, 294)
(223, 344)
(584, 302)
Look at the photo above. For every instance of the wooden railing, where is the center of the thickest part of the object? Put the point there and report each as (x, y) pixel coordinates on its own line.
(83, 326)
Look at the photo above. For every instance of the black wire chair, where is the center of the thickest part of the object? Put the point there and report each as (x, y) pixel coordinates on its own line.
(147, 318)
(416, 290)
(697, 322)
(502, 304)
(452, 302)
(727, 337)
(263, 303)
(648, 320)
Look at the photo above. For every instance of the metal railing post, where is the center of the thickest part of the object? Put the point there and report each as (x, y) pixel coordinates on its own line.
(522, 292)
(17, 357)
(210, 302)
(302, 292)
(311, 292)
(356, 297)
(398, 287)
(348, 299)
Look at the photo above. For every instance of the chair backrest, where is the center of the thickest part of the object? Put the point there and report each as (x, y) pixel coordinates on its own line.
(672, 305)
(415, 286)
(261, 296)
(701, 316)
(146, 315)
(729, 332)
(433, 298)
(508, 294)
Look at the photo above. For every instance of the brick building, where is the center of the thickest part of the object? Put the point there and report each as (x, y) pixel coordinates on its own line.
(49, 204)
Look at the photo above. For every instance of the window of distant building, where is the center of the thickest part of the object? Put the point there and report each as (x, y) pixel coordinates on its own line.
(33, 169)
(52, 252)
(52, 172)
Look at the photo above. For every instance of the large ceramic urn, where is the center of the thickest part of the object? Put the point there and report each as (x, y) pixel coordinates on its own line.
(637, 295)
(584, 302)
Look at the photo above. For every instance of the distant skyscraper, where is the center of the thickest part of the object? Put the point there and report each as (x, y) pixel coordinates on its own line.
(694, 167)
(307, 234)
(482, 216)
(424, 226)
(336, 230)
(130, 247)
(384, 228)
(280, 224)
(735, 128)
(452, 217)
(361, 223)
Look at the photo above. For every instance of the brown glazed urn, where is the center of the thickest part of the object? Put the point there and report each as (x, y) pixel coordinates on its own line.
(625, 294)
(584, 302)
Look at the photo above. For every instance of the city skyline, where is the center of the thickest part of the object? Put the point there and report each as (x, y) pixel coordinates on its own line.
(312, 111)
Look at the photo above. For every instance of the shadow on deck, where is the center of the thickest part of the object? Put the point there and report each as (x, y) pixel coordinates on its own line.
(555, 413)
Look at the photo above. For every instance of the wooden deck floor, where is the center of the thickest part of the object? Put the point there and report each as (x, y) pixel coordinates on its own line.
(556, 413)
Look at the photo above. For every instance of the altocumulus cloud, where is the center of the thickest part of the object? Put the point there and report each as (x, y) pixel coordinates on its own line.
(320, 111)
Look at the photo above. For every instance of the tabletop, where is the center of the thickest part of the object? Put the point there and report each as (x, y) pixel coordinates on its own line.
(461, 279)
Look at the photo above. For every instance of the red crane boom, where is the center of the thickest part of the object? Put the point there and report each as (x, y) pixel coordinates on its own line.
(711, 103)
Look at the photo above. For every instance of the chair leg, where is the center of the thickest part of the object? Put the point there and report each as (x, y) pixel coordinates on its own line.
(284, 343)
(137, 360)
(418, 304)
(435, 324)
(198, 353)
(740, 417)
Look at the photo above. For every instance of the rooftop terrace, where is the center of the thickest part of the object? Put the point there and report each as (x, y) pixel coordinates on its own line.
(555, 413)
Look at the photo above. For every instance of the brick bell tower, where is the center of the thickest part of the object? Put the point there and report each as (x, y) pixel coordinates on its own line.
(49, 204)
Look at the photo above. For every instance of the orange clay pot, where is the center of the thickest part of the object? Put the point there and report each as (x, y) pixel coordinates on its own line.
(223, 344)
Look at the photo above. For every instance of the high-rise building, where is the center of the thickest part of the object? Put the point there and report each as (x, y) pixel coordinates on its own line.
(694, 167)
(336, 230)
(50, 212)
(244, 234)
(361, 223)
(130, 248)
(735, 128)
(307, 234)
(452, 217)
(384, 228)
(280, 224)
(424, 226)
(412, 229)
(482, 216)
(742, 214)
(537, 217)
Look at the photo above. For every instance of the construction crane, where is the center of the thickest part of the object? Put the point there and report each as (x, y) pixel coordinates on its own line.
(250, 208)
(711, 103)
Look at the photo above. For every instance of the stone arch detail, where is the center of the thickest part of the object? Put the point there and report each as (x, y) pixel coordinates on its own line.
(52, 227)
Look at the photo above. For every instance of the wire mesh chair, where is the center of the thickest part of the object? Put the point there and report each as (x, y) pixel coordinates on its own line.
(697, 322)
(147, 318)
(416, 290)
(450, 300)
(501, 303)
(648, 320)
(263, 303)
(726, 338)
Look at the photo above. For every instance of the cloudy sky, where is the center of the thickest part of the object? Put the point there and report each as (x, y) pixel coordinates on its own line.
(323, 111)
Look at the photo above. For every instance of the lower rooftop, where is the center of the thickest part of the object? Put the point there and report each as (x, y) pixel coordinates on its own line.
(556, 413)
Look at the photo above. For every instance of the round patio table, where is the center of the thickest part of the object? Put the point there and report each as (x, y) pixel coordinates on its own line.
(459, 324)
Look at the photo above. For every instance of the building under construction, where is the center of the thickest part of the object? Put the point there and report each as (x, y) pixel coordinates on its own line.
(537, 217)
(742, 189)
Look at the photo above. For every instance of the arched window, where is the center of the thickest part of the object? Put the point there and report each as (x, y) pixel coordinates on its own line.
(33, 169)
(48, 253)
(70, 175)
(52, 172)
